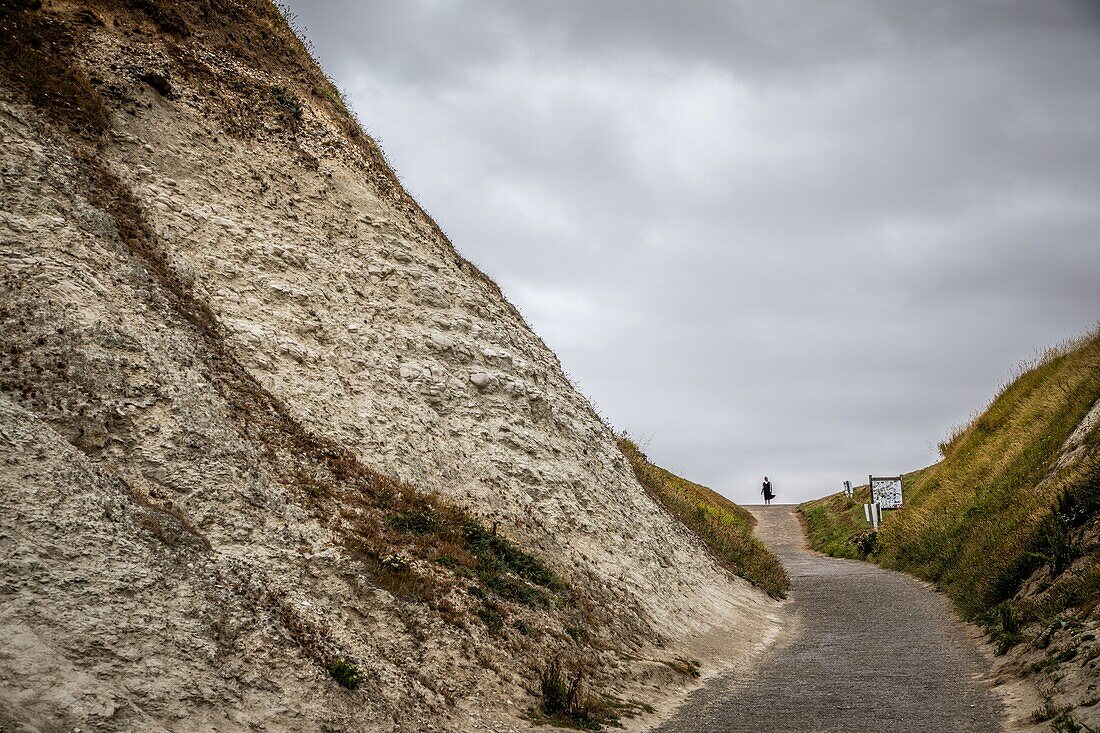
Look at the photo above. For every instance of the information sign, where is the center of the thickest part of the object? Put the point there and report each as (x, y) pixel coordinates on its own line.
(886, 491)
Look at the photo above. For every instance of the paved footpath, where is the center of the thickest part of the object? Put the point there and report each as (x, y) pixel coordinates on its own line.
(868, 650)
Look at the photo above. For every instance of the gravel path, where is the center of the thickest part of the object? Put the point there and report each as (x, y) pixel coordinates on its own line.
(867, 650)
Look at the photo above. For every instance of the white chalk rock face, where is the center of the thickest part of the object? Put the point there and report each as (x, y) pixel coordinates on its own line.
(343, 300)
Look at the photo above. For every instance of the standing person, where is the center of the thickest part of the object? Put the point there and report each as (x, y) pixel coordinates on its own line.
(766, 490)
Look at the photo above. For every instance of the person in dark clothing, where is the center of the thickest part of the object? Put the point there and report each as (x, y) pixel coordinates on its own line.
(766, 490)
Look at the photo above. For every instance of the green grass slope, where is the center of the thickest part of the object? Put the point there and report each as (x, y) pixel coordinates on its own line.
(1007, 524)
(979, 522)
(725, 528)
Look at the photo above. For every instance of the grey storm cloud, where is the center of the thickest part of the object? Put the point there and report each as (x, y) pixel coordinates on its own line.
(794, 238)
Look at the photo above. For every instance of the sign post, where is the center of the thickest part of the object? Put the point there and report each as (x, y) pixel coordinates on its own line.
(873, 513)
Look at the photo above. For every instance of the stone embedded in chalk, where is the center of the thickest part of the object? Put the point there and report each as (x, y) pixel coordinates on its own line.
(481, 380)
(440, 341)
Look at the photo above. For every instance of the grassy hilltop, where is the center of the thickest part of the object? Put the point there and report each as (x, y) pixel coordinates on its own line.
(1006, 524)
(725, 528)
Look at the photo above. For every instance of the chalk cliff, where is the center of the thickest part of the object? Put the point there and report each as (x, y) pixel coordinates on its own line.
(260, 417)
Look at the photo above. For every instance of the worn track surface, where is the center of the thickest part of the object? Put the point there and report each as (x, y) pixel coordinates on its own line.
(867, 650)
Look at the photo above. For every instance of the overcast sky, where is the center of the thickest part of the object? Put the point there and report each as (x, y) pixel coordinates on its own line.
(794, 238)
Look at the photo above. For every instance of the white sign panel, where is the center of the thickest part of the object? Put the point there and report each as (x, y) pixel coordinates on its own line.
(886, 490)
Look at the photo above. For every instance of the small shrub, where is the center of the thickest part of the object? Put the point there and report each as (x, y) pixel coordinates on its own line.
(345, 673)
(866, 543)
(1048, 711)
(515, 590)
(563, 699)
(1056, 542)
(577, 634)
(498, 555)
(447, 561)
(506, 570)
(288, 101)
(521, 626)
(333, 95)
(559, 694)
(1080, 502)
(686, 667)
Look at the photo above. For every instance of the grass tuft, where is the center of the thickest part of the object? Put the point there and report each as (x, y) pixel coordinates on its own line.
(564, 701)
(1005, 630)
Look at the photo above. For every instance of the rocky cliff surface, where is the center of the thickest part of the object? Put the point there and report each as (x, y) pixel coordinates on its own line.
(259, 417)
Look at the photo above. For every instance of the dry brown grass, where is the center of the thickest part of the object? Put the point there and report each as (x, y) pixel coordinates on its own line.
(168, 522)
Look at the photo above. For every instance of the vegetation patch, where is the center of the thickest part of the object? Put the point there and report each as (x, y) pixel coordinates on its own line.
(1005, 632)
(686, 667)
(492, 615)
(725, 528)
(564, 700)
(36, 52)
(452, 539)
(415, 521)
(1064, 722)
(347, 674)
(836, 525)
(497, 555)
